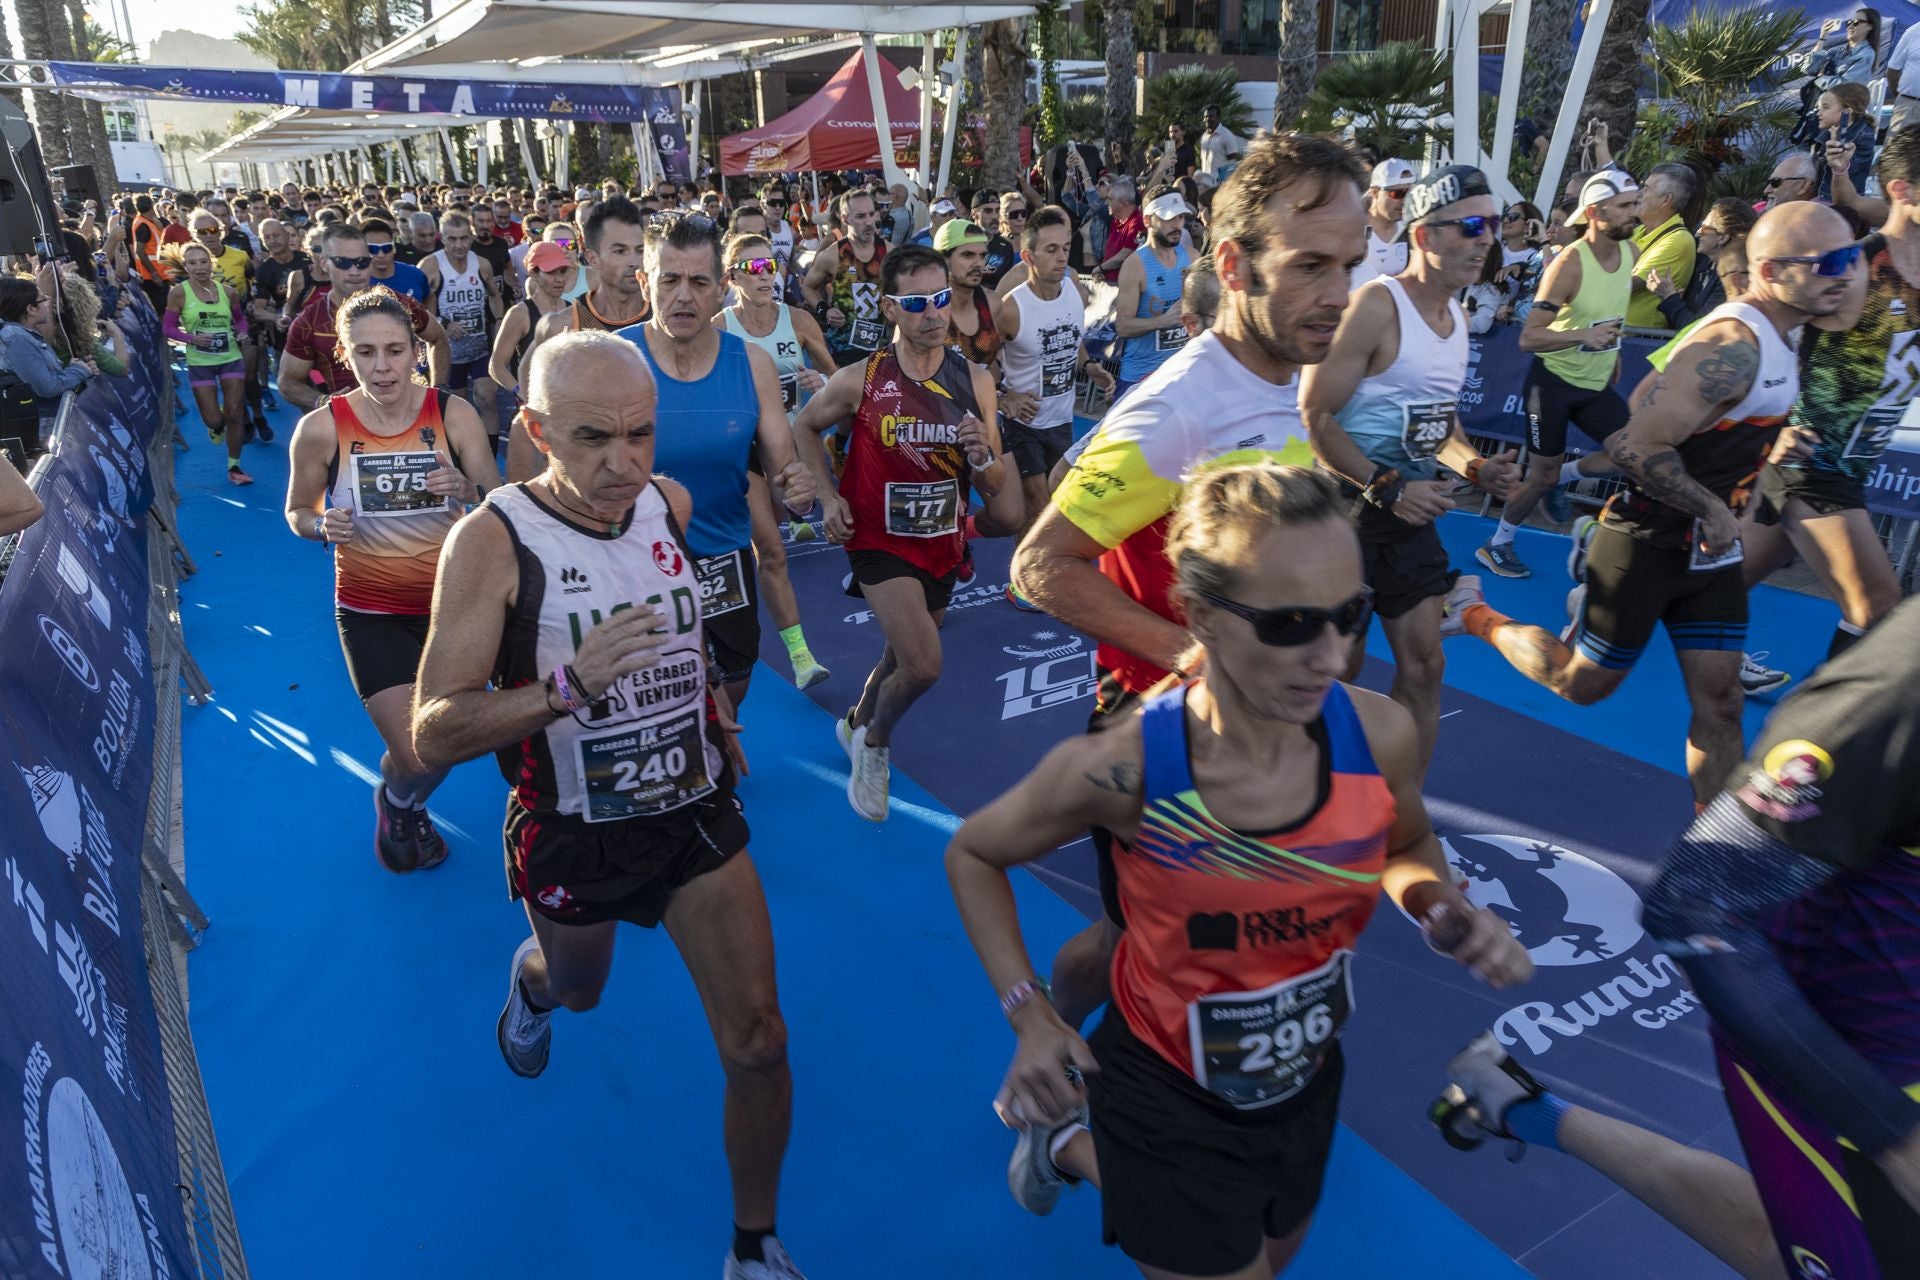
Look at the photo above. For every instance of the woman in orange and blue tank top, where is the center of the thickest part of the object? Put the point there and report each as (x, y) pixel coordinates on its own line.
(1258, 811)
(380, 475)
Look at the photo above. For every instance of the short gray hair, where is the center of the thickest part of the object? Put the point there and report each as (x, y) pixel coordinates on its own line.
(1121, 187)
(423, 222)
(546, 365)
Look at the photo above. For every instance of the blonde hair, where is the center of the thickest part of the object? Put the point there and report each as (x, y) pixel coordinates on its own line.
(1225, 511)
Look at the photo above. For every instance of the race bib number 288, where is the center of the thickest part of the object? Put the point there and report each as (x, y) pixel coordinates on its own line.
(1257, 1048)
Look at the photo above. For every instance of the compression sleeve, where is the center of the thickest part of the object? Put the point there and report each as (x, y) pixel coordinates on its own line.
(1723, 874)
(170, 325)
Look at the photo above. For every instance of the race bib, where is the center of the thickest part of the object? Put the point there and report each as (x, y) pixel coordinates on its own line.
(394, 484)
(1428, 423)
(868, 335)
(789, 390)
(644, 769)
(869, 329)
(1256, 1048)
(222, 343)
(1873, 432)
(1698, 561)
(1169, 339)
(923, 510)
(723, 584)
(1056, 376)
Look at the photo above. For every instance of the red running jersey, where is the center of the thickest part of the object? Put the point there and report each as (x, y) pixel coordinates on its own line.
(906, 476)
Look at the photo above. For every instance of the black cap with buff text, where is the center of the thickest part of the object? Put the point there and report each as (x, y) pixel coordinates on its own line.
(1441, 188)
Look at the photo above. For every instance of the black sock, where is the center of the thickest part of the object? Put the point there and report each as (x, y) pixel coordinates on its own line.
(746, 1244)
(532, 1004)
(1844, 638)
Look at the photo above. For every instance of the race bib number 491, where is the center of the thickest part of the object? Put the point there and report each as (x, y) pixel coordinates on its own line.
(1256, 1048)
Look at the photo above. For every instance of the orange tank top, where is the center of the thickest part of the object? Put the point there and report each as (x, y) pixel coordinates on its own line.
(398, 525)
(1235, 964)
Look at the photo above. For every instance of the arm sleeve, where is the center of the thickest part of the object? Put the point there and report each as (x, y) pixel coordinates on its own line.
(1723, 874)
(170, 325)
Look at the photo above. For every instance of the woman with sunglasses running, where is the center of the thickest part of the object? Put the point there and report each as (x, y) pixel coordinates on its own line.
(1258, 810)
(205, 315)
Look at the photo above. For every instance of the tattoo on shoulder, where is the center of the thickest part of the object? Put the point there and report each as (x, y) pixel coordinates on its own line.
(1727, 372)
(1122, 778)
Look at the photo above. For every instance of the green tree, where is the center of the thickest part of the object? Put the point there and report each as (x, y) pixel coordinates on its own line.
(1299, 59)
(97, 44)
(324, 35)
(1005, 63)
(1722, 70)
(1050, 124)
(1180, 95)
(1387, 97)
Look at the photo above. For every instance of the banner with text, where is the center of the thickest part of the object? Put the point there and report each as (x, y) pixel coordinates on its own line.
(90, 1189)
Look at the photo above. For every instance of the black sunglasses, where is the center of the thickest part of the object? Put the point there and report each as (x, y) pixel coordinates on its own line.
(350, 264)
(1015, 215)
(1290, 625)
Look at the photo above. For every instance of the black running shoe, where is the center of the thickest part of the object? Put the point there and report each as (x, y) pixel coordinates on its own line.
(263, 430)
(394, 838)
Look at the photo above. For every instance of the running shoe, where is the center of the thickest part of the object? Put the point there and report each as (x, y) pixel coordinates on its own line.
(1032, 1176)
(778, 1266)
(263, 430)
(867, 782)
(525, 1037)
(427, 838)
(964, 578)
(801, 530)
(1503, 560)
(1576, 605)
(1583, 530)
(808, 674)
(267, 398)
(395, 841)
(1465, 593)
(1484, 1083)
(1019, 601)
(1756, 678)
(236, 476)
(217, 434)
(843, 733)
(1557, 504)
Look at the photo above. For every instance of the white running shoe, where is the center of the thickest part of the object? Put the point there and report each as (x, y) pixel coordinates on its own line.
(1756, 678)
(808, 674)
(867, 782)
(1466, 593)
(778, 1266)
(1576, 605)
(1583, 531)
(1483, 1084)
(1036, 1182)
(525, 1036)
(843, 733)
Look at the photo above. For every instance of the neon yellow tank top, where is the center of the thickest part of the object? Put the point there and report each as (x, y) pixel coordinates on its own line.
(214, 318)
(1603, 296)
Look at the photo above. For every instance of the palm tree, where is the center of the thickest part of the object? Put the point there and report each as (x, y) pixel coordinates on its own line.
(1123, 53)
(1005, 63)
(1614, 92)
(94, 43)
(1388, 97)
(17, 97)
(1548, 62)
(89, 117)
(38, 44)
(1299, 59)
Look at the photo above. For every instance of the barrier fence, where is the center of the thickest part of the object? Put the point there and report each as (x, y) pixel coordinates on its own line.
(117, 1171)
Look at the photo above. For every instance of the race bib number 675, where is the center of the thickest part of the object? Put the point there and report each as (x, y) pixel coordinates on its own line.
(1256, 1048)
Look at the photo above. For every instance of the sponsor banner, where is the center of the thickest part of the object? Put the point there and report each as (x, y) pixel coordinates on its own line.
(88, 1182)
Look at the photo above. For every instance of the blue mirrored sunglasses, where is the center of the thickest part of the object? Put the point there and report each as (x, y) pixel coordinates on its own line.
(914, 303)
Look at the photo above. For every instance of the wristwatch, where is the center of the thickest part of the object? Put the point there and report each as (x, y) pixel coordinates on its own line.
(320, 528)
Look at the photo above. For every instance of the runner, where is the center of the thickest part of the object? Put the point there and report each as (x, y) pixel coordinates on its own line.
(402, 277)
(550, 273)
(1286, 230)
(1782, 903)
(495, 250)
(1574, 332)
(1042, 326)
(1000, 253)
(1855, 385)
(313, 345)
(970, 324)
(145, 244)
(1667, 550)
(618, 752)
(614, 244)
(266, 330)
(1215, 1076)
(1146, 316)
(380, 475)
(842, 284)
(1383, 413)
(464, 294)
(1386, 251)
(232, 266)
(922, 433)
(719, 399)
(205, 315)
(792, 339)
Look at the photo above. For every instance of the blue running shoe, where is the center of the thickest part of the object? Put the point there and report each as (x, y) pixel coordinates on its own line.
(1501, 558)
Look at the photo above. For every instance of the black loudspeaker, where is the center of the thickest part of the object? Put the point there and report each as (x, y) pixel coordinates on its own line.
(80, 182)
(28, 222)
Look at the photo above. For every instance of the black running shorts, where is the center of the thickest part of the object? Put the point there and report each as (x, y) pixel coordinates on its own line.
(1403, 563)
(1035, 449)
(1822, 492)
(1632, 585)
(1188, 1183)
(1552, 402)
(870, 566)
(576, 872)
(733, 637)
(462, 376)
(383, 649)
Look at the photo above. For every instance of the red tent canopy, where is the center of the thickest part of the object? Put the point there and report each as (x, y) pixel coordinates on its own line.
(831, 130)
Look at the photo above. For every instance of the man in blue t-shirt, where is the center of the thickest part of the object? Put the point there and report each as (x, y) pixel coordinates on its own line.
(403, 278)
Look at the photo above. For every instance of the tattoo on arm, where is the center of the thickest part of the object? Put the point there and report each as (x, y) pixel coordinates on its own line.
(1727, 373)
(1123, 778)
(1663, 477)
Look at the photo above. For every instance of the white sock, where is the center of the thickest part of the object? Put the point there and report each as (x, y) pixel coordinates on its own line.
(1060, 1141)
(1849, 628)
(1570, 472)
(1503, 535)
(399, 801)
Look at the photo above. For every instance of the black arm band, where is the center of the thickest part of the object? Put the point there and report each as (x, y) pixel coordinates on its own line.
(1543, 305)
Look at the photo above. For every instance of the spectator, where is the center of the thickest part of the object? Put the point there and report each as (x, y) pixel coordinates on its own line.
(1843, 120)
(1558, 236)
(1662, 242)
(1719, 273)
(1000, 253)
(18, 505)
(1846, 51)
(1906, 54)
(1219, 147)
(32, 378)
(1793, 179)
(1484, 301)
(1126, 228)
(75, 321)
(1177, 158)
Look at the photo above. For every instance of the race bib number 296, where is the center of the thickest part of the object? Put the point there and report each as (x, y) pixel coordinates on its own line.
(1256, 1048)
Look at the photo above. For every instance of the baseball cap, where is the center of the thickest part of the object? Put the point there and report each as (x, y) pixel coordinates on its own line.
(547, 256)
(959, 232)
(1168, 204)
(1600, 188)
(1392, 173)
(944, 205)
(1442, 187)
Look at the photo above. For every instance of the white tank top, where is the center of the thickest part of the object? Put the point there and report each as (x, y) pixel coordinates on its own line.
(643, 747)
(463, 298)
(1044, 358)
(783, 345)
(1401, 416)
(1777, 384)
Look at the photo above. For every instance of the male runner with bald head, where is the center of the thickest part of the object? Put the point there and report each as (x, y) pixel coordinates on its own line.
(1668, 549)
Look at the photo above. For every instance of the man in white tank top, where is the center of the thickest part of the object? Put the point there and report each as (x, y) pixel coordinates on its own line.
(1668, 550)
(462, 295)
(568, 640)
(1383, 414)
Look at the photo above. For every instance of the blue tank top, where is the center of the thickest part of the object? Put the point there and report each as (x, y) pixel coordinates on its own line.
(704, 435)
(1161, 293)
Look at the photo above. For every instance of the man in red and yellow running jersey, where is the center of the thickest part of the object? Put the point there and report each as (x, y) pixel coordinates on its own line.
(922, 434)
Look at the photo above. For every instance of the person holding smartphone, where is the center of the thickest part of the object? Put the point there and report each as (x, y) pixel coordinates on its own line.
(1844, 123)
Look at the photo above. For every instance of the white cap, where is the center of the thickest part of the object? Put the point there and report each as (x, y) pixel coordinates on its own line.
(1168, 204)
(408, 197)
(1392, 173)
(944, 205)
(1600, 188)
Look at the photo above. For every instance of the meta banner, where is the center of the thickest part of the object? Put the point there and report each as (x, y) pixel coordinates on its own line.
(89, 1175)
(1493, 404)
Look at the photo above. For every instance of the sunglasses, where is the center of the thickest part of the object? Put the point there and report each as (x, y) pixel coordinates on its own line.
(674, 217)
(757, 266)
(1292, 625)
(1397, 193)
(775, 204)
(1015, 215)
(1473, 226)
(350, 264)
(1774, 182)
(1512, 215)
(1858, 22)
(1834, 262)
(380, 250)
(565, 242)
(915, 303)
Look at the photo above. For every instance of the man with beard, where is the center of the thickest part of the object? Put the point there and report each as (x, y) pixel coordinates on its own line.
(1147, 313)
(1668, 550)
(1574, 333)
(842, 284)
(970, 327)
(1000, 253)
(493, 248)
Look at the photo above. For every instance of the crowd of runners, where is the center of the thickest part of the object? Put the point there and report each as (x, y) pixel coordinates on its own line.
(557, 444)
